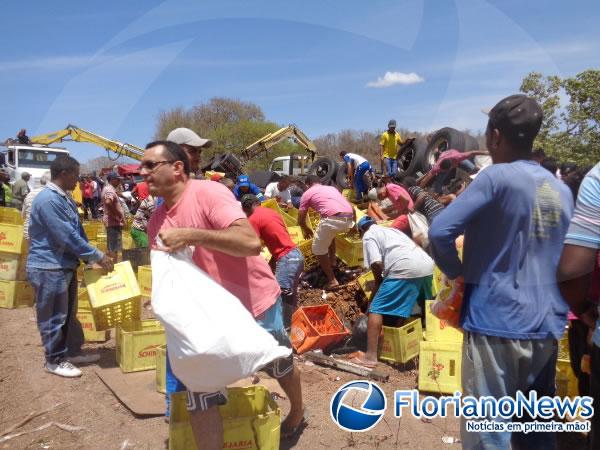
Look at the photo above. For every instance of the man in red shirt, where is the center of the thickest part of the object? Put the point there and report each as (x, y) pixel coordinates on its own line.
(289, 261)
(140, 191)
(204, 214)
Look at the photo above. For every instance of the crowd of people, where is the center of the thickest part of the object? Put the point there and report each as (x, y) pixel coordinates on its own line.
(528, 256)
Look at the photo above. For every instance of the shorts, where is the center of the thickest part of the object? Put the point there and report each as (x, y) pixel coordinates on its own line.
(272, 321)
(397, 296)
(328, 229)
(114, 239)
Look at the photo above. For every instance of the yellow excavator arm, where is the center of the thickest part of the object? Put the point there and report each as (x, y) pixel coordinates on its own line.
(74, 133)
(266, 142)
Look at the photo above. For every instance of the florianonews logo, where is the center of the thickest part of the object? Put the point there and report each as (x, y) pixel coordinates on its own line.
(366, 416)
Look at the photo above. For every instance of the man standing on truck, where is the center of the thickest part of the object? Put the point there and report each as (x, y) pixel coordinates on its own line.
(204, 214)
(389, 144)
(448, 160)
(56, 244)
(20, 189)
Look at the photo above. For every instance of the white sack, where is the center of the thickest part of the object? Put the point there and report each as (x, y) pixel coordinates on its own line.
(212, 339)
(419, 227)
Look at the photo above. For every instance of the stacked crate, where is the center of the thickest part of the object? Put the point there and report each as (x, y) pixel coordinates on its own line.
(15, 291)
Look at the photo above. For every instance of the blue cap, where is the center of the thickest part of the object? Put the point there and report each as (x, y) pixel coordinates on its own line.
(364, 221)
(243, 181)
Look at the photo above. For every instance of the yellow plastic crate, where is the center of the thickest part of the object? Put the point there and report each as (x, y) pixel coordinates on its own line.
(313, 218)
(161, 369)
(367, 283)
(349, 249)
(310, 260)
(401, 344)
(295, 233)
(266, 254)
(90, 334)
(144, 277)
(115, 298)
(137, 344)
(12, 267)
(349, 194)
(11, 239)
(92, 228)
(563, 347)
(10, 216)
(16, 294)
(127, 240)
(567, 384)
(438, 330)
(251, 421)
(440, 366)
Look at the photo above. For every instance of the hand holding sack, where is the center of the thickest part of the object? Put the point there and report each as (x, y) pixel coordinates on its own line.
(449, 301)
(212, 339)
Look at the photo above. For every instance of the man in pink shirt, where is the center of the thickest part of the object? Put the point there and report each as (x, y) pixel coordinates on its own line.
(337, 216)
(448, 160)
(205, 215)
(402, 202)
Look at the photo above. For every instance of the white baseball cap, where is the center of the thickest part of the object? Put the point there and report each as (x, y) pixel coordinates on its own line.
(188, 137)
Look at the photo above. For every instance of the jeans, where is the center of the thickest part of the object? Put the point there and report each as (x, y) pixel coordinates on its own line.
(287, 272)
(497, 367)
(359, 183)
(391, 166)
(56, 307)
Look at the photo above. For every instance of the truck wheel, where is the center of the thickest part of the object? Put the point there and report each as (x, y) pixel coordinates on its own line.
(408, 157)
(471, 143)
(340, 177)
(442, 140)
(324, 168)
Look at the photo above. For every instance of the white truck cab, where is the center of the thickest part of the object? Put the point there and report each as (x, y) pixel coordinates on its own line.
(33, 159)
(290, 165)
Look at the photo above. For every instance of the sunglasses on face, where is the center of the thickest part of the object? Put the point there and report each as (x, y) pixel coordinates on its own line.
(152, 165)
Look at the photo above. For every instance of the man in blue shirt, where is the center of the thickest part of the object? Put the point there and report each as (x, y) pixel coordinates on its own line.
(357, 167)
(514, 217)
(56, 244)
(243, 187)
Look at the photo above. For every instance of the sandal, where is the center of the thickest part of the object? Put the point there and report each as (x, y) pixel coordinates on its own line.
(295, 431)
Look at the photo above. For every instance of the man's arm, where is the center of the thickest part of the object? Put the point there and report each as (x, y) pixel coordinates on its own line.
(426, 179)
(575, 275)
(377, 269)
(452, 221)
(306, 231)
(239, 239)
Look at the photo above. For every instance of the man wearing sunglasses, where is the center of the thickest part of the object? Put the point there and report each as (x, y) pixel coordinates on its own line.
(206, 215)
(191, 143)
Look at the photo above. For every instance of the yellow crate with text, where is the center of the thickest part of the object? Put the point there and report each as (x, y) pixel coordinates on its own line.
(161, 369)
(310, 260)
(86, 319)
(115, 297)
(16, 294)
(296, 235)
(251, 421)
(11, 239)
(401, 344)
(10, 216)
(367, 283)
(567, 384)
(144, 277)
(13, 267)
(438, 330)
(137, 344)
(349, 249)
(440, 367)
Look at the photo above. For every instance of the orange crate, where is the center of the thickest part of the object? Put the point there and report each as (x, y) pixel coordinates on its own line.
(316, 327)
(310, 260)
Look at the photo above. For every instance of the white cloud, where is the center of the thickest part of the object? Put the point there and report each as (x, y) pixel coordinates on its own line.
(393, 78)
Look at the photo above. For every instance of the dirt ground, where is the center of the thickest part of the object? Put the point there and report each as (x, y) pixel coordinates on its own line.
(86, 402)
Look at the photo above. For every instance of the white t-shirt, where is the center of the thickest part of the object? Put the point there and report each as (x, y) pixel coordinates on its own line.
(271, 191)
(401, 257)
(358, 160)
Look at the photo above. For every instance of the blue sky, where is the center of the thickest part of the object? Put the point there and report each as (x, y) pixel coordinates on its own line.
(111, 67)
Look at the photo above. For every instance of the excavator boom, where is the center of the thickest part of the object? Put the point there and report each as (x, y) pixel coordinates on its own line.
(74, 133)
(266, 142)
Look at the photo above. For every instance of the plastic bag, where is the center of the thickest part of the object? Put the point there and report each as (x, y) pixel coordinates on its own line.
(449, 301)
(419, 227)
(212, 339)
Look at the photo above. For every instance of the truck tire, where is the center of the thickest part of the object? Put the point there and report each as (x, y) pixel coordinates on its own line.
(228, 163)
(340, 176)
(471, 143)
(408, 158)
(262, 178)
(325, 169)
(444, 139)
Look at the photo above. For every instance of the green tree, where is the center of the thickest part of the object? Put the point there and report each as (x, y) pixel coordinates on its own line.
(570, 133)
(231, 124)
